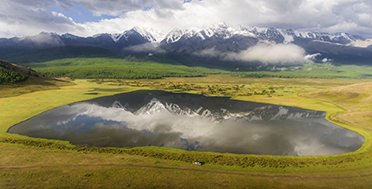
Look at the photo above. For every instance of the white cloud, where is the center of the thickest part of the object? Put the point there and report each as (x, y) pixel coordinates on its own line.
(319, 15)
(147, 47)
(282, 54)
(21, 17)
(313, 57)
(272, 54)
(120, 7)
(361, 43)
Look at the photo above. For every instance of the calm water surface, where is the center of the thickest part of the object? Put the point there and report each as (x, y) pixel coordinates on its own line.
(192, 122)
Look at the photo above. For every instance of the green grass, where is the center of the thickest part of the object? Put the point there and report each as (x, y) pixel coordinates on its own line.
(316, 71)
(83, 68)
(116, 68)
(32, 162)
(53, 163)
(32, 167)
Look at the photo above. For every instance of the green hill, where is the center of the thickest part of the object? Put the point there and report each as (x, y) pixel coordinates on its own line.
(13, 73)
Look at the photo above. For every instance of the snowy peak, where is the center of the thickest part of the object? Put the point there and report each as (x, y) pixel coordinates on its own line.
(341, 38)
(174, 36)
(134, 32)
(220, 31)
(116, 36)
(142, 32)
(270, 34)
(224, 31)
(288, 35)
(268, 112)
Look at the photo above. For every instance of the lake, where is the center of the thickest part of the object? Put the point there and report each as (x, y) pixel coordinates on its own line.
(192, 122)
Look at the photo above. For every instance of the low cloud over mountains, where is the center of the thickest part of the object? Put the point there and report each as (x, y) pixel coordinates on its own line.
(269, 46)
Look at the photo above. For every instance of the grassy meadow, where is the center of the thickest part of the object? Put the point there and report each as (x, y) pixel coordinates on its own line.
(115, 68)
(33, 163)
(323, 71)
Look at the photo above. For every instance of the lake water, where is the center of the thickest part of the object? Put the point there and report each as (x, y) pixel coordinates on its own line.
(192, 122)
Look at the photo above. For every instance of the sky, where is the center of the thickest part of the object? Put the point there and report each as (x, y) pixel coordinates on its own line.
(89, 17)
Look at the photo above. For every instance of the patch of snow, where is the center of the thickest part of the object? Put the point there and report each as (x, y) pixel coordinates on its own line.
(144, 33)
(174, 36)
(287, 37)
(116, 37)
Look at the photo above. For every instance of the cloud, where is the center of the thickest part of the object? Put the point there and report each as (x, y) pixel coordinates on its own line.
(22, 17)
(193, 129)
(317, 57)
(147, 47)
(272, 54)
(283, 54)
(361, 43)
(299, 14)
(211, 52)
(120, 7)
(313, 57)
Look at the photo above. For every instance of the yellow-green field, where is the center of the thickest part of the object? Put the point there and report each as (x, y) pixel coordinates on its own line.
(39, 163)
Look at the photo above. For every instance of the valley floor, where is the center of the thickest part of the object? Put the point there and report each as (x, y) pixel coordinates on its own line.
(41, 163)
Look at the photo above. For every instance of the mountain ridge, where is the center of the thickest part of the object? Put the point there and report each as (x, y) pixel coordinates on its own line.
(185, 42)
(263, 33)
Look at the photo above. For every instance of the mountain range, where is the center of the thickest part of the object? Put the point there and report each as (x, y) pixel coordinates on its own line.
(184, 45)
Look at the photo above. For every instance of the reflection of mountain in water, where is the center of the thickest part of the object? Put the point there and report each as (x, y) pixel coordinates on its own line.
(215, 108)
(267, 112)
(192, 122)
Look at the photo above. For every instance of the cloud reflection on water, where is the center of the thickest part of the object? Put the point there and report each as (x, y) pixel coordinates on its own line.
(265, 129)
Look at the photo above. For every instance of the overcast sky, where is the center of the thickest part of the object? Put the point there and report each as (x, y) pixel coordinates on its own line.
(88, 17)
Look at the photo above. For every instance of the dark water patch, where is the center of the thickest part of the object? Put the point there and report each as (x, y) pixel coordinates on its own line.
(91, 93)
(192, 122)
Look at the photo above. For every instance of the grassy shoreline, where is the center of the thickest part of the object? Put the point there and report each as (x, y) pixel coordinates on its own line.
(341, 164)
(330, 112)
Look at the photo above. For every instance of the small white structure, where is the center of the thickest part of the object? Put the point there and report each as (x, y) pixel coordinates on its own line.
(199, 163)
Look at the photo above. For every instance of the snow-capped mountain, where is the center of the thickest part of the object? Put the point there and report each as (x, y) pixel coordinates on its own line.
(260, 113)
(137, 32)
(134, 36)
(217, 31)
(214, 109)
(222, 38)
(42, 39)
(116, 42)
(275, 35)
(138, 35)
